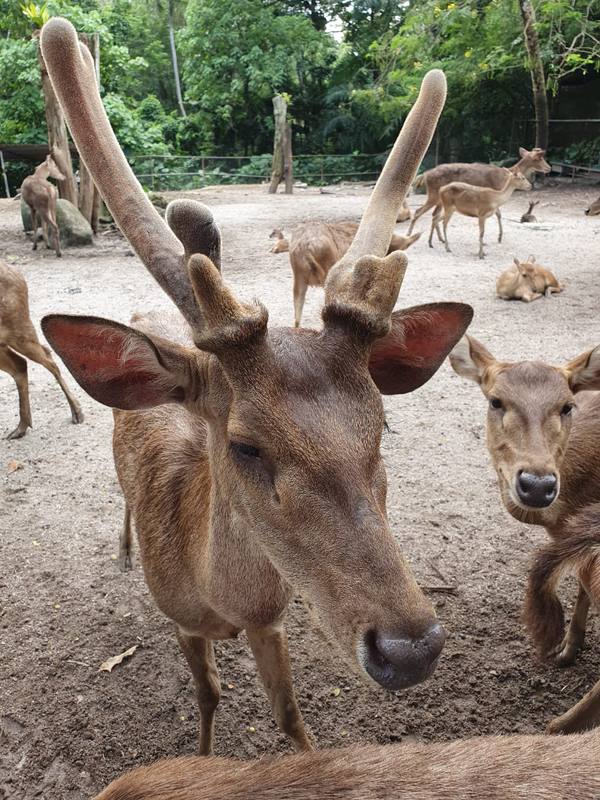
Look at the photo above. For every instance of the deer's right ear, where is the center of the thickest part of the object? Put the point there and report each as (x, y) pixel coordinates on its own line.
(119, 366)
(470, 359)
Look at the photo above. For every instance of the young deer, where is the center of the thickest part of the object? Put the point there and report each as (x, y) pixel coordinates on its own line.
(542, 436)
(316, 246)
(528, 216)
(593, 209)
(249, 455)
(40, 195)
(486, 175)
(404, 214)
(281, 243)
(473, 201)
(527, 281)
(17, 335)
(490, 767)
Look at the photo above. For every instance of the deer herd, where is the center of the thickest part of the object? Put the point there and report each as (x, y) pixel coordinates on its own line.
(251, 469)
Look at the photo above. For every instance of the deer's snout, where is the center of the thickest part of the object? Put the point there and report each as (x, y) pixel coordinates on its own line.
(536, 491)
(397, 661)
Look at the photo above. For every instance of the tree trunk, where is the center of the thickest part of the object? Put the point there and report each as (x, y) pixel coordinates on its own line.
(58, 142)
(89, 196)
(174, 60)
(282, 148)
(536, 68)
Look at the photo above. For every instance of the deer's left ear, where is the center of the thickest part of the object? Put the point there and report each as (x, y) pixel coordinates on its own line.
(418, 342)
(583, 372)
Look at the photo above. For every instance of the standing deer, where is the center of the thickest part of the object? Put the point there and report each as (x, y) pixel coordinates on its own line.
(542, 435)
(316, 246)
(529, 216)
(17, 335)
(593, 209)
(527, 281)
(473, 201)
(40, 195)
(486, 175)
(249, 456)
(490, 767)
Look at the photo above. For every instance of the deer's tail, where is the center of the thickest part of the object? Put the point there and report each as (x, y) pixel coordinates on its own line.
(575, 551)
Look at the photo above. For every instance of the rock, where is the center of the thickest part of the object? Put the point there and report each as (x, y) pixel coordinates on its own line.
(74, 229)
(158, 200)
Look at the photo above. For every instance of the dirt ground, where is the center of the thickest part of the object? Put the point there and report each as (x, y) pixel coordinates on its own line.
(66, 729)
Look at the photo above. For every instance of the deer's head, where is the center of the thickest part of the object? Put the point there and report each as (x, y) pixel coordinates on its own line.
(517, 181)
(534, 161)
(530, 410)
(594, 209)
(53, 170)
(294, 416)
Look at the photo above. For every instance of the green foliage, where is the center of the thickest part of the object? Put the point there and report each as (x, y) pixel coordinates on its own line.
(37, 15)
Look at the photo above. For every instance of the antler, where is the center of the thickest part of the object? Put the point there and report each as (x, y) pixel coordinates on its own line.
(72, 75)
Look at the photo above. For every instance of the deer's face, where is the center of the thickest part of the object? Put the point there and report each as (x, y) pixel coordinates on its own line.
(534, 161)
(520, 182)
(53, 170)
(594, 209)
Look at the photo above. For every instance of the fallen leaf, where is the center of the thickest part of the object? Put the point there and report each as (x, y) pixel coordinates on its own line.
(13, 466)
(107, 666)
(336, 692)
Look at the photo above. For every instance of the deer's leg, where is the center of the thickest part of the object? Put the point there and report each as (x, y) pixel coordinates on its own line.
(499, 218)
(45, 233)
(481, 232)
(56, 234)
(272, 659)
(447, 218)
(17, 367)
(429, 203)
(37, 352)
(34, 225)
(566, 652)
(438, 210)
(584, 715)
(300, 287)
(125, 542)
(200, 655)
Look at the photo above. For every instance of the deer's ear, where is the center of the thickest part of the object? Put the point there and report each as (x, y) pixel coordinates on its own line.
(119, 366)
(583, 372)
(522, 152)
(470, 359)
(419, 340)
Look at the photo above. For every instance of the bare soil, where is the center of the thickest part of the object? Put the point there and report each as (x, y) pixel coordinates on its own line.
(66, 729)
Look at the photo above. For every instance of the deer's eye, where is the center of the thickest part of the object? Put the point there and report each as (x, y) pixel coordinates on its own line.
(495, 403)
(245, 452)
(566, 409)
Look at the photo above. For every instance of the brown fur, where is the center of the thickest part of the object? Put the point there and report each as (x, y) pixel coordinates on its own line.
(594, 208)
(492, 767)
(18, 336)
(281, 243)
(404, 214)
(40, 195)
(527, 281)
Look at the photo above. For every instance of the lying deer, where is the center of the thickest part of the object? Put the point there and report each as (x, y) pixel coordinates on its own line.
(527, 281)
(528, 216)
(249, 456)
(490, 767)
(594, 209)
(542, 435)
(576, 552)
(486, 175)
(316, 246)
(40, 195)
(404, 214)
(18, 336)
(281, 243)
(473, 201)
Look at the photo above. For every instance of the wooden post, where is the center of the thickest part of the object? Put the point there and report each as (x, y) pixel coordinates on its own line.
(89, 196)
(536, 69)
(282, 148)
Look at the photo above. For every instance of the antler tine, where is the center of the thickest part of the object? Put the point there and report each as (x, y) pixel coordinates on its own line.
(72, 74)
(194, 225)
(377, 223)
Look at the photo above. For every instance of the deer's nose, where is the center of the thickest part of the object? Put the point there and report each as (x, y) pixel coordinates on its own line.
(587, 211)
(537, 491)
(396, 661)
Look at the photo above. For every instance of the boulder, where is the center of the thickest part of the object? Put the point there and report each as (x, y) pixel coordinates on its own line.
(75, 230)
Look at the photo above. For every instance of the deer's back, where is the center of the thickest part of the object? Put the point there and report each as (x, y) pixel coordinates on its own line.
(474, 174)
(14, 306)
(36, 191)
(315, 248)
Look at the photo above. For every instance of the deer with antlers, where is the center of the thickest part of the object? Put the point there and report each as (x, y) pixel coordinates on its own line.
(249, 455)
(486, 175)
(543, 429)
(40, 196)
(19, 341)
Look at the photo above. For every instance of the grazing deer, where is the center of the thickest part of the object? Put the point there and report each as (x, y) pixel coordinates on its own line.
(473, 201)
(316, 246)
(527, 281)
(594, 208)
(249, 456)
(491, 767)
(281, 243)
(18, 336)
(40, 195)
(543, 438)
(528, 216)
(486, 175)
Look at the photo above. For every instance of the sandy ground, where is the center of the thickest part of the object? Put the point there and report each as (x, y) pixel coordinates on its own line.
(65, 728)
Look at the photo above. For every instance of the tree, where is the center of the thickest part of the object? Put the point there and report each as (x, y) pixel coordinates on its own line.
(536, 69)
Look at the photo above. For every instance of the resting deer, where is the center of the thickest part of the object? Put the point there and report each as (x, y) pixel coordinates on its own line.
(527, 281)
(316, 246)
(249, 455)
(18, 336)
(281, 243)
(490, 767)
(542, 435)
(593, 209)
(404, 213)
(528, 216)
(486, 175)
(40, 195)
(473, 201)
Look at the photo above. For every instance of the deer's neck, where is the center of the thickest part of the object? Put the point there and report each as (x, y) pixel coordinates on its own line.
(42, 172)
(522, 167)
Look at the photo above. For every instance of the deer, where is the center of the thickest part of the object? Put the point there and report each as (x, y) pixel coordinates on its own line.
(19, 341)
(40, 196)
(405, 213)
(594, 209)
(543, 425)
(526, 281)
(249, 455)
(491, 767)
(316, 246)
(486, 175)
(281, 244)
(473, 201)
(529, 216)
